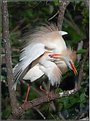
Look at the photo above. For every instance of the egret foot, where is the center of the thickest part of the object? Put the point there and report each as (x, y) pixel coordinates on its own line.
(24, 105)
(49, 95)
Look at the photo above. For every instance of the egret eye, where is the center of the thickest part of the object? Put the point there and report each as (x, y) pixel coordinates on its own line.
(70, 62)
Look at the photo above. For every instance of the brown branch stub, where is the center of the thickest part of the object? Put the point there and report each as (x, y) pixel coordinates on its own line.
(7, 47)
(81, 68)
(39, 101)
(62, 8)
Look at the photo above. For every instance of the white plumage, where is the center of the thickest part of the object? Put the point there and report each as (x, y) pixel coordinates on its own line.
(40, 44)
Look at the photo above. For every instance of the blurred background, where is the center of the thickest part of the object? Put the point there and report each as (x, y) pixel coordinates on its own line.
(23, 17)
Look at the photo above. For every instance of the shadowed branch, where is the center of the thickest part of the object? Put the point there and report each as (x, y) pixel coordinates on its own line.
(7, 47)
(39, 101)
(62, 8)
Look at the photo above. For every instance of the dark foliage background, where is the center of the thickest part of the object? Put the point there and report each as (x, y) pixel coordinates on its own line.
(23, 16)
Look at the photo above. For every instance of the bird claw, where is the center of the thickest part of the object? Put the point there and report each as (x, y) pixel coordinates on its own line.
(49, 95)
(25, 104)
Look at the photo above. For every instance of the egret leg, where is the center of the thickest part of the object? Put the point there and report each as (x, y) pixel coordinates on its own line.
(43, 89)
(47, 93)
(28, 90)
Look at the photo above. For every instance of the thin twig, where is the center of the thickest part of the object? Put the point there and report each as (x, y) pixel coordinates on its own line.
(53, 16)
(39, 112)
(71, 23)
(61, 116)
(18, 26)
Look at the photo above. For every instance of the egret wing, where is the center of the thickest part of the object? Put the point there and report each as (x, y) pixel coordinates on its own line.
(29, 54)
(34, 73)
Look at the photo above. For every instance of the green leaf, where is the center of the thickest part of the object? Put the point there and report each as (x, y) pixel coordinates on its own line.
(81, 51)
(6, 112)
(56, 2)
(82, 98)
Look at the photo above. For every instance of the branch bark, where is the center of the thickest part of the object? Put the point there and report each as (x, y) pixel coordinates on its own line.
(7, 47)
(62, 8)
(87, 3)
(38, 101)
(80, 46)
(0, 53)
(82, 67)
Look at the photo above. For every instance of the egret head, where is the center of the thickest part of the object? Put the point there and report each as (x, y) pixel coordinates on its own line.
(67, 60)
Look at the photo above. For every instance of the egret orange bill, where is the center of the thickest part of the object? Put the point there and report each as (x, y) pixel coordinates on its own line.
(61, 56)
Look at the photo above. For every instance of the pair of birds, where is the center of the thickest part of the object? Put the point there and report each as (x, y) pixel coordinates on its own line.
(45, 54)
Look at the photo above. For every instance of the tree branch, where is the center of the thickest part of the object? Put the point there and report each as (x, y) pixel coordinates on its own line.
(5, 37)
(62, 8)
(0, 53)
(82, 67)
(87, 3)
(80, 46)
(38, 101)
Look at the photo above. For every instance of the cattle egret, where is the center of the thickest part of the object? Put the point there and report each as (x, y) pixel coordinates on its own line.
(46, 54)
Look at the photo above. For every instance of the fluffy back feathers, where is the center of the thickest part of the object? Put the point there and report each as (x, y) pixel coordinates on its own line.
(43, 37)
